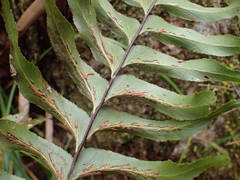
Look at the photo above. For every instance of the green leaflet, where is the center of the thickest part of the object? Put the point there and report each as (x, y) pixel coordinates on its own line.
(124, 25)
(84, 17)
(15, 118)
(192, 110)
(219, 45)
(139, 3)
(94, 160)
(50, 155)
(191, 70)
(191, 11)
(36, 89)
(4, 175)
(177, 106)
(112, 120)
(6, 146)
(62, 37)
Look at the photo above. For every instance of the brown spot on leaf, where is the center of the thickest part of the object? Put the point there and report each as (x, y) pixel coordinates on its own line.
(110, 57)
(135, 93)
(85, 76)
(105, 165)
(89, 167)
(76, 124)
(180, 60)
(161, 31)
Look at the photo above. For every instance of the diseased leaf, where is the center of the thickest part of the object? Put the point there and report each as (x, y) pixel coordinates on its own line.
(191, 11)
(94, 161)
(217, 45)
(192, 111)
(36, 89)
(112, 120)
(84, 17)
(125, 25)
(177, 106)
(48, 154)
(191, 70)
(62, 36)
(5, 175)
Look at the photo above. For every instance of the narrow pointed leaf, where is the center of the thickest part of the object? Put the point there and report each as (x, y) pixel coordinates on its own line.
(48, 154)
(218, 45)
(177, 106)
(36, 89)
(145, 4)
(125, 25)
(112, 120)
(191, 11)
(94, 161)
(5, 175)
(191, 70)
(84, 17)
(63, 40)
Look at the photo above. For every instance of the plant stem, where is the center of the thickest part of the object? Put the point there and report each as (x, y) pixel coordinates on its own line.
(110, 84)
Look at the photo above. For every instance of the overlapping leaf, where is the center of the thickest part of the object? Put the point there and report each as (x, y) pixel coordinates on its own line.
(94, 161)
(112, 120)
(177, 106)
(103, 49)
(125, 25)
(218, 45)
(191, 11)
(107, 161)
(37, 91)
(192, 70)
(48, 154)
(63, 40)
(193, 110)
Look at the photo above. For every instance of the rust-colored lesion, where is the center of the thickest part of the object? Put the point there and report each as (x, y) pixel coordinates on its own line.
(161, 31)
(127, 92)
(121, 168)
(85, 76)
(114, 126)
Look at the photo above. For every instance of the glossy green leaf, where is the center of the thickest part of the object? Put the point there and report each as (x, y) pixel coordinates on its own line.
(191, 11)
(48, 154)
(191, 70)
(177, 106)
(94, 161)
(122, 24)
(62, 37)
(36, 90)
(4, 175)
(218, 45)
